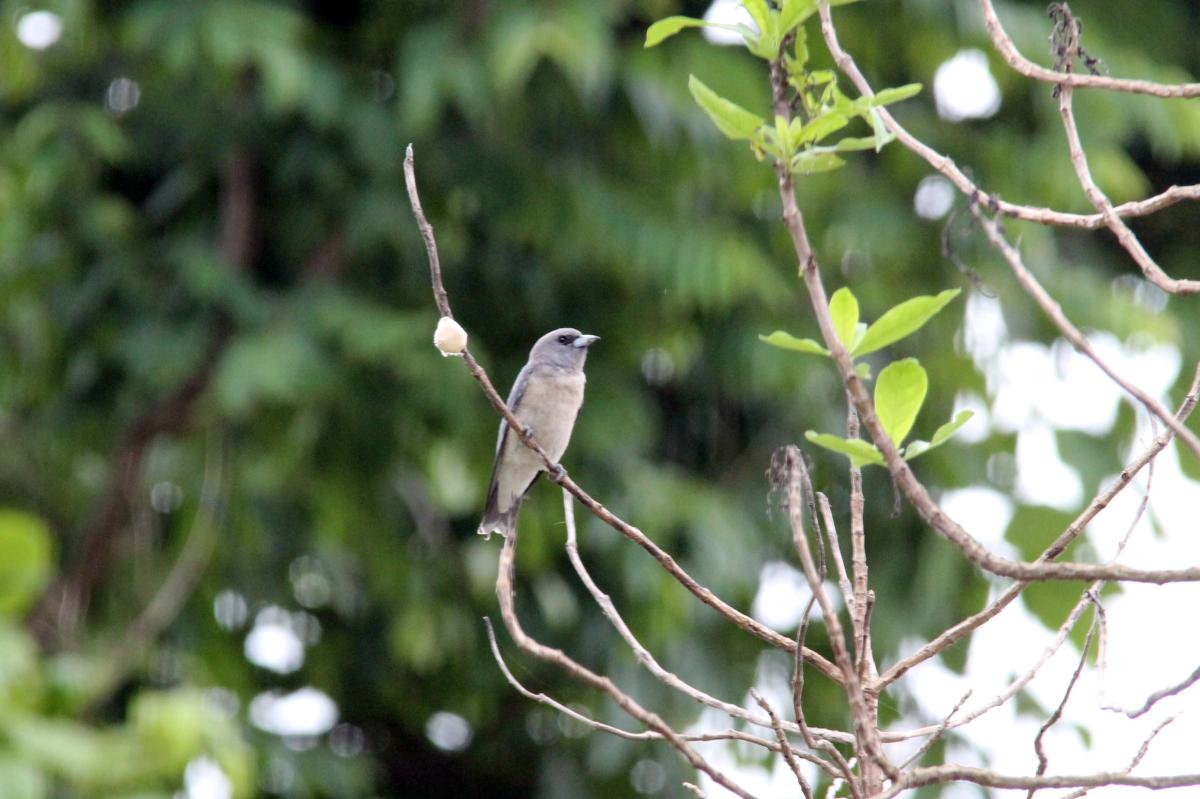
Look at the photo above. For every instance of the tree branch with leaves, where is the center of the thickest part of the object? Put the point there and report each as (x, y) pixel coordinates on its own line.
(802, 135)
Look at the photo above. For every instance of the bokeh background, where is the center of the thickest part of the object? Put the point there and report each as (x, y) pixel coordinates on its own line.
(239, 487)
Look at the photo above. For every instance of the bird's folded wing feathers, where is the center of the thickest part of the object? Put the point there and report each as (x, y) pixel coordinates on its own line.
(514, 399)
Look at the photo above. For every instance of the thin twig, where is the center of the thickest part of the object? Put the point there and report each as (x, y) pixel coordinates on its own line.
(1155, 697)
(506, 593)
(1073, 334)
(648, 661)
(1090, 595)
(1008, 50)
(865, 727)
(1038, 745)
(1137, 758)
(435, 264)
(1129, 242)
(937, 735)
(836, 547)
(814, 743)
(858, 556)
(646, 735)
(785, 747)
(932, 775)
(951, 171)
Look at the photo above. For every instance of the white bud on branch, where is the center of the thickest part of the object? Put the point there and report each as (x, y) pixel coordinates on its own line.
(449, 338)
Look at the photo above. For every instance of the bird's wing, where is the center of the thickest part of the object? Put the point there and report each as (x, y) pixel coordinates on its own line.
(514, 399)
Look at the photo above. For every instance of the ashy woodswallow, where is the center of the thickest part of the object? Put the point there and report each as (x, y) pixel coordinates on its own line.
(546, 397)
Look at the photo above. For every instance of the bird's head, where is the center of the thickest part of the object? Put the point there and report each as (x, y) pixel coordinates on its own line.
(565, 348)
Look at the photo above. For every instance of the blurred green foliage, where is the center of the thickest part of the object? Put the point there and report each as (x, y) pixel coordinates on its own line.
(206, 237)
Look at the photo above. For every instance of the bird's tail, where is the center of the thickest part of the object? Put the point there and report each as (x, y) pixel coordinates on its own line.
(495, 521)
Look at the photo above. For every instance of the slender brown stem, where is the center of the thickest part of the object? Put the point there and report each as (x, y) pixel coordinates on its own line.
(506, 594)
(1005, 46)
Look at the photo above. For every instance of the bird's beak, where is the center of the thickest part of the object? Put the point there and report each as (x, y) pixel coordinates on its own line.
(585, 340)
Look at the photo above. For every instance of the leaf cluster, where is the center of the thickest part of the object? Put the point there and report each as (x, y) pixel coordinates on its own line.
(818, 108)
(901, 386)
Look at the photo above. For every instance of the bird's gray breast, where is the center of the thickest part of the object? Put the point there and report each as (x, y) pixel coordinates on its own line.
(548, 406)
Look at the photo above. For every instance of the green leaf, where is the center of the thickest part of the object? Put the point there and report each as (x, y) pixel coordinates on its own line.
(902, 320)
(899, 392)
(861, 453)
(943, 433)
(854, 143)
(730, 118)
(895, 94)
(822, 126)
(811, 162)
(666, 28)
(786, 341)
(941, 436)
(783, 130)
(863, 370)
(882, 134)
(799, 59)
(24, 559)
(843, 309)
(793, 13)
(759, 12)
(766, 43)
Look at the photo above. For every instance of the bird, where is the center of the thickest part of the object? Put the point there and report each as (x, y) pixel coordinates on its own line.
(546, 397)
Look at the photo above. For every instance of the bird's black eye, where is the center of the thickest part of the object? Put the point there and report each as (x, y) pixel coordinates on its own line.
(564, 339)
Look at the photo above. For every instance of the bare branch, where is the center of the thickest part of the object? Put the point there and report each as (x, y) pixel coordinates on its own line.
(1038, 747)
(506, 593)
(435, 264)
(1053, 310)
(865, 728)
(785, 748)
(647, 735)
(1155, 697)
(1137, 758)
(1004, 45)
(1090, 595)
(858, 555)
(1145, 747)
(843, 768)
(1108, 215)
(643, 655)
(951, 171)
(834, 545)
(931, 775)
(938, 733)
(1152, 271)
